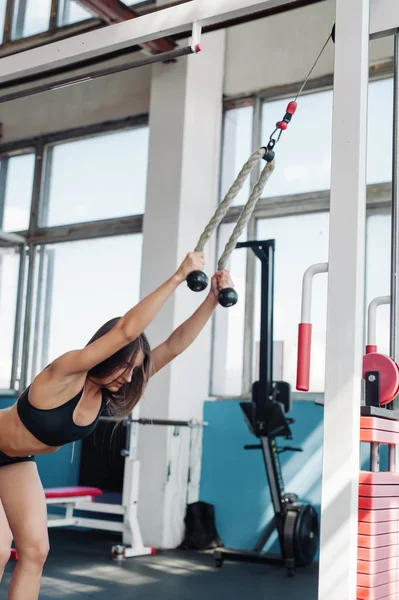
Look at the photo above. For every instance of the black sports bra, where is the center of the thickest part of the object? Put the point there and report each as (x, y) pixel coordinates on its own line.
(55, 426)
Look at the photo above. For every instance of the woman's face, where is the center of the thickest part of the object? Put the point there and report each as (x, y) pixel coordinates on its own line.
(122, 376)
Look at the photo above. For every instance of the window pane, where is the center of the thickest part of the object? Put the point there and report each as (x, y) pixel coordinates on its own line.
(300, 242)
(303, 155)
(379, 133)
(30, 17)
(87, 284)
(378, 273)
(237, 148)
(3, 5)
(96, 178)
(70, 12)
(9, 265)
(228, 345)
(18, 195)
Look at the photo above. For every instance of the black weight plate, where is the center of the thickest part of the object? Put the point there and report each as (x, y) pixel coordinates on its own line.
(306, 535)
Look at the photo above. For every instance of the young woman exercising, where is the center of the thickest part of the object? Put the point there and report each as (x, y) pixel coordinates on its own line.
(64, 403)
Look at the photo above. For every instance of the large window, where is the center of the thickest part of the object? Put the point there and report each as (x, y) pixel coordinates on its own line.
(66, 320)
(237, 148)
(228, 352)
(301, 240)
(17, 173)
(101, 177)
(98, 175)
(70, 11)
(303, 155)
(294, 212)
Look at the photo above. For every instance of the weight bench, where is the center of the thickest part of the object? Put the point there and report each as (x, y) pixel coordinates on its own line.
(71, 499)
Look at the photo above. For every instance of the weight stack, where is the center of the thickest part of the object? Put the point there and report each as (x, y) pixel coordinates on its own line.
(378, 533)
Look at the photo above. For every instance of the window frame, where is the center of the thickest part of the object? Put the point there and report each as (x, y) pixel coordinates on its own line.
(36, 237)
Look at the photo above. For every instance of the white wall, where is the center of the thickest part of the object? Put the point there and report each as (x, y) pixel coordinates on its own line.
(109, 98)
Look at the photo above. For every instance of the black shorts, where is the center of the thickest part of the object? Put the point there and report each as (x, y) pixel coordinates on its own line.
(12, 460)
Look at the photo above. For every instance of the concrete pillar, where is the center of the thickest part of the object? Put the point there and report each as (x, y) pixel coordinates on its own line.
(182, 193)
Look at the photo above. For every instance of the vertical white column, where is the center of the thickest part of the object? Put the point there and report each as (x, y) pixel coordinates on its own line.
(337, 577)
(182, 192)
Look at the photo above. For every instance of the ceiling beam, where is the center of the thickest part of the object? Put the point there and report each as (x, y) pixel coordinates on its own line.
(115, 11)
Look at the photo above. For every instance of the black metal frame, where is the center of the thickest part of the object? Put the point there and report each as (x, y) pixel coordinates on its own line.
(265, 418)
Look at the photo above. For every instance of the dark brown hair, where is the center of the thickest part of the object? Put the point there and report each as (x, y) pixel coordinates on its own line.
(122, 402)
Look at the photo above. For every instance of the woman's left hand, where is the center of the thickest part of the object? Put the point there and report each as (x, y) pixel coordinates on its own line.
(219, 281)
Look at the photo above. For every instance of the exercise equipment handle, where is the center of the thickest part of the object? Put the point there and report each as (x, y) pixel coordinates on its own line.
(372, 322)
(197, 280)
(305, 327)
(228, 296)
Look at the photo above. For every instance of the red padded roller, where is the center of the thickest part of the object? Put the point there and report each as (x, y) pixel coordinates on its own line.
(388, 371)
(303, 361)
(72, 492)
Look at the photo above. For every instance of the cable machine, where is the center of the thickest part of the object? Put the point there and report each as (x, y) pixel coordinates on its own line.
(295, 522)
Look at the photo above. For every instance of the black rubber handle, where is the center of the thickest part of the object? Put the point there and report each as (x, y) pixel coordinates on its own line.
(197, 281)
(227, 297)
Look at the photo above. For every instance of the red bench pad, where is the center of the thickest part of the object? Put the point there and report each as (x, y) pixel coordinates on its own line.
(72, 492)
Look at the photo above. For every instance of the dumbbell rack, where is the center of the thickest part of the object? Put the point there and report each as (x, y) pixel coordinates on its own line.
(378, 531)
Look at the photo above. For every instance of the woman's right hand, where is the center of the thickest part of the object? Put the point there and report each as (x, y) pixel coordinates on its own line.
(194, 261)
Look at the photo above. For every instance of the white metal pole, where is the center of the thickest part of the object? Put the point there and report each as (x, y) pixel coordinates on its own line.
(372, 318)
(345, 311)
(394, 339)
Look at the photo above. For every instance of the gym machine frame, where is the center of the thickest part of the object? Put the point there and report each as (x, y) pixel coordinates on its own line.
(296, 523)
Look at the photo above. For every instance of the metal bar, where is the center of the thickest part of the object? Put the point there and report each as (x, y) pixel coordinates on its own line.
(48, 300)
(394, 329)
(18, 318)
(266, 321)
(90, 230)
(25, 44)
(53, 23)
(39, 313)
(374, 457)
(8, 21)
(345, 309)
(273, 471)
(3, 187)
(42, 220)
(167, 422)
(36, 189)
(170, 21)
(392, 462)
(28, 318)
(51, 86)
(19, 19)
(11, 238)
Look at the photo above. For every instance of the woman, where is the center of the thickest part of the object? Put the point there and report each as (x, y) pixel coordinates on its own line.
(63, 404)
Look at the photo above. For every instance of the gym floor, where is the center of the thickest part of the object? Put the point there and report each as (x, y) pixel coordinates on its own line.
(80, 567)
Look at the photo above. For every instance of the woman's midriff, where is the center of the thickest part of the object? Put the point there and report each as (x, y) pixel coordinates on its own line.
(15, 439)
